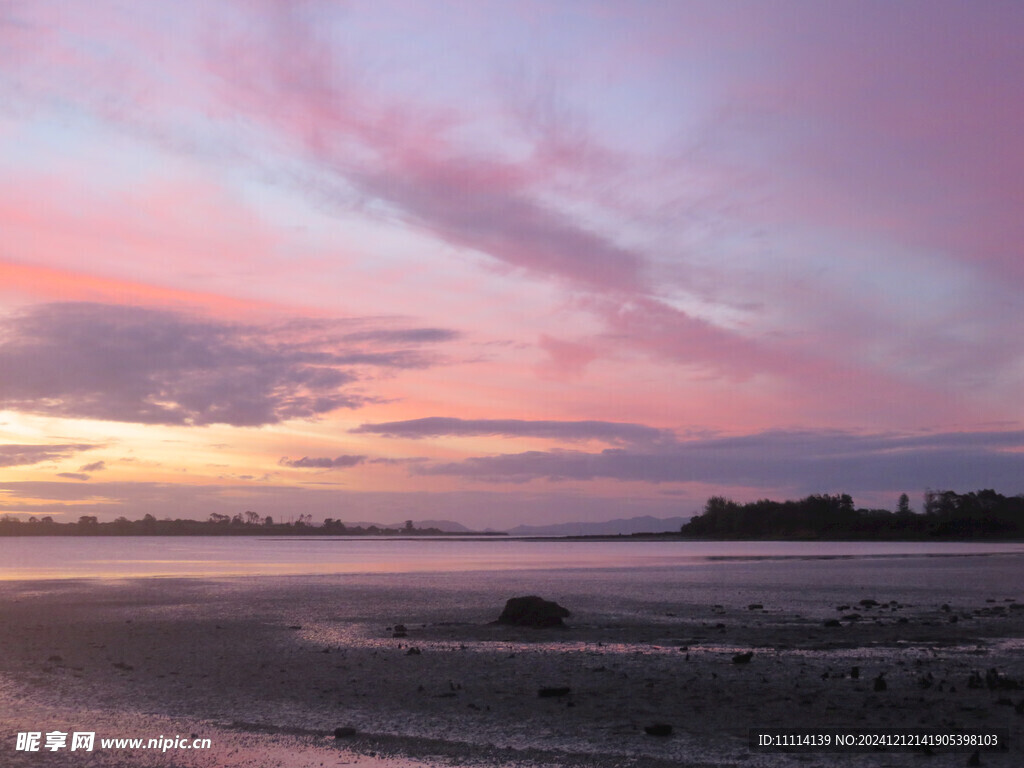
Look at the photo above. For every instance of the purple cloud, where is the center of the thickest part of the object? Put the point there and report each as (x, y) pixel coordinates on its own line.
(24, 455)
(812, 461)
(96, 466)
(125, 363)
(437, 426)
(73, 475)
(307, 462)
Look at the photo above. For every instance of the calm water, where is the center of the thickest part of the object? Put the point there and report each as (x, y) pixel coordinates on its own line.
(131, 557)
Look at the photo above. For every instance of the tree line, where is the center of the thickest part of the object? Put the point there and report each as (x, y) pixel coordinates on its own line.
(242, 524)
(982, 514)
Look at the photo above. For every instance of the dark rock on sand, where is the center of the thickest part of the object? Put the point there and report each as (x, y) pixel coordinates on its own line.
(995, 681)
(833, 623)
(880, 682)
(755, 607)
(743, 658)
(658, 729)
(344, 731)
(533, 611)
(554, 692)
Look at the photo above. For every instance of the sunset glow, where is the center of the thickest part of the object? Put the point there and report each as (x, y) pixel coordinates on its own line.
(506, 262)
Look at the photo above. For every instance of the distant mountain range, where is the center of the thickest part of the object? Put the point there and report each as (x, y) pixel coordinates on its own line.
(645, 524)
(625, 527)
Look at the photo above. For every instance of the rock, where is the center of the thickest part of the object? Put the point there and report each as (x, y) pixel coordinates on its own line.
(852, 617)
(755, 607)
(855, 673)
(532, 611)
(414, 651)
(400, 628)
(743, 658)
(880, 682)
(833, 623)
(344, 732)
(868, 603)
(994, 681)
(658, 729)
(554, 693)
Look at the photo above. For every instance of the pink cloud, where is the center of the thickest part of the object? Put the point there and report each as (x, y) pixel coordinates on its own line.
(565, 359)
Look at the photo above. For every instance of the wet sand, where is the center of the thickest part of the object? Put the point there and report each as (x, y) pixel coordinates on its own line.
(267, 668)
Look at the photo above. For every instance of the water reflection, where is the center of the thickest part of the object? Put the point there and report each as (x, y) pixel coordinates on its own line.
(133, 557)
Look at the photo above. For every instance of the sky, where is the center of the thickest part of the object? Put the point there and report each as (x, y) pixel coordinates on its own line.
(507, 262)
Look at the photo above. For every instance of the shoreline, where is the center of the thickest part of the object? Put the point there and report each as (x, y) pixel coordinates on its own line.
(265, 662)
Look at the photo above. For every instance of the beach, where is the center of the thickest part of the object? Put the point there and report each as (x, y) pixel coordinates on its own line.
(414, 667)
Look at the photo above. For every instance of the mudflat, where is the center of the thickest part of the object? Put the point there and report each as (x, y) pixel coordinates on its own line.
(415, 672)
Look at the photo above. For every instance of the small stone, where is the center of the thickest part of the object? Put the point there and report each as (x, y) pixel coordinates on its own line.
(755, 607)
(344, 732)
(833, 623)
(743, 658)
(658, 729)
(554, 692)
(879, 684)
